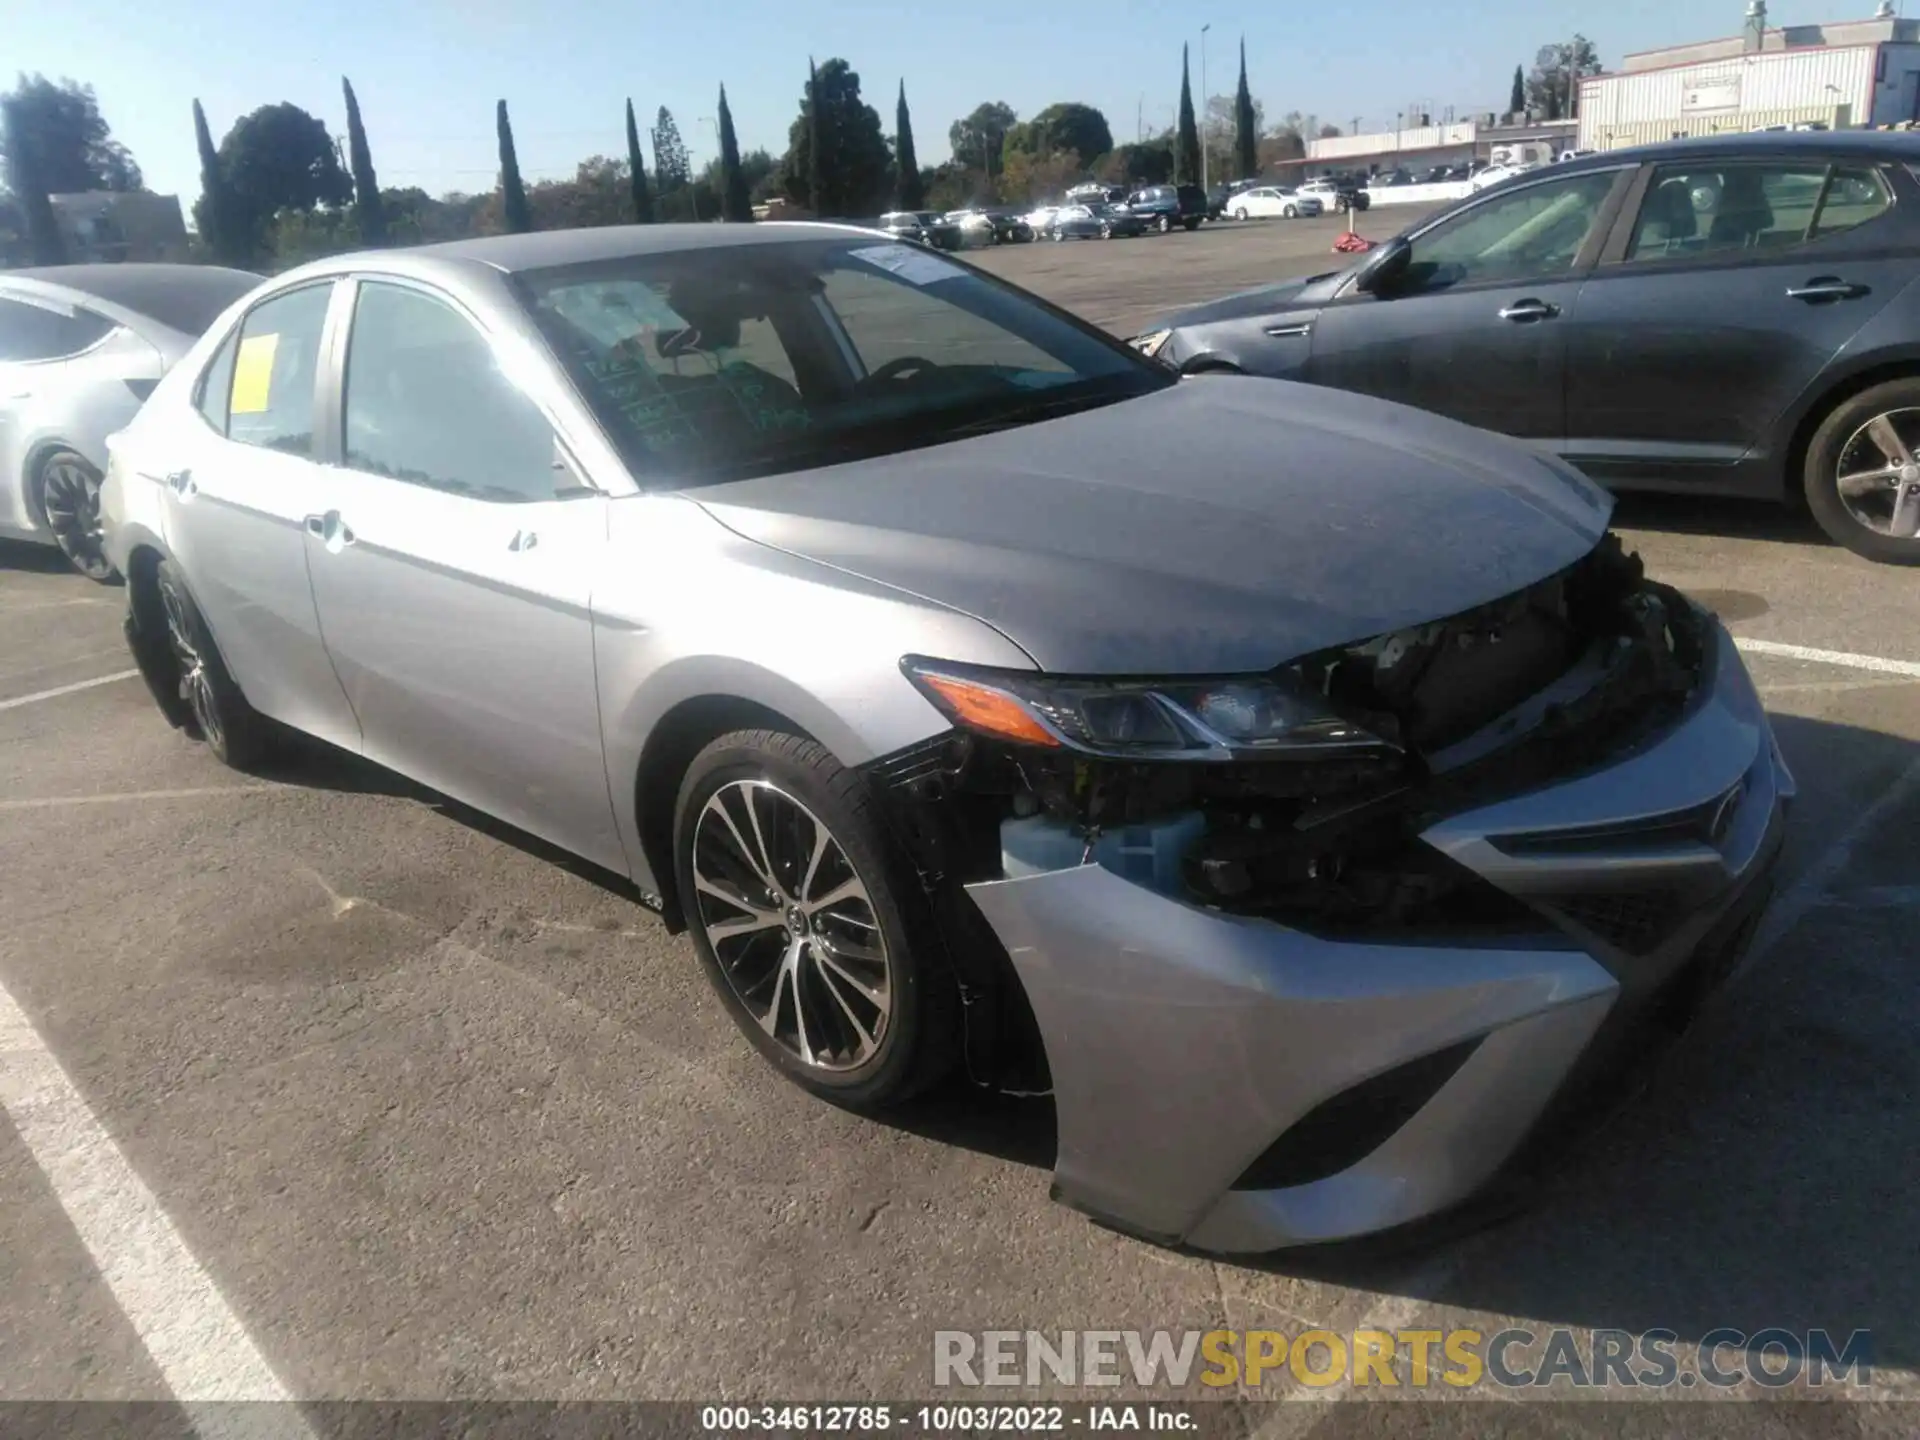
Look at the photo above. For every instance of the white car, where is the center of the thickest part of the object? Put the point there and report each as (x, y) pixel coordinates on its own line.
(1268, 201)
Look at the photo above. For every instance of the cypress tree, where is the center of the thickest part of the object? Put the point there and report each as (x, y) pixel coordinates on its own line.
(1246, 147)
(1186, 146)
(366, 189)
(735, 204)
(637, 173)
(215, 211)
(816, 167)
(912, 190)
(1517, 97)
(26, 180)
(513, 195)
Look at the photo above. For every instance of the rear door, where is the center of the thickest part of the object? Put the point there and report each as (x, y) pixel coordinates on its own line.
(1728, 287)
(1475, 329)
(453, 564)
(236, 506)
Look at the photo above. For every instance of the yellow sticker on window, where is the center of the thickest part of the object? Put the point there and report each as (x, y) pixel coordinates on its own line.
(253, 374)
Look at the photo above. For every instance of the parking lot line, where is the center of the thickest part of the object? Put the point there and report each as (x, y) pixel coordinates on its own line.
(59, 690)
(196, 1341)
(1878, 663)
(60, 802)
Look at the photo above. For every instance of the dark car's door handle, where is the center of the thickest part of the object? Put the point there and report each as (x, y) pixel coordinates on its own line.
(1825, 287)
(1524, 312)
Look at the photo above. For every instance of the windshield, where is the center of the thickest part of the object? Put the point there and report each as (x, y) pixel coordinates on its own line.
(716, 363)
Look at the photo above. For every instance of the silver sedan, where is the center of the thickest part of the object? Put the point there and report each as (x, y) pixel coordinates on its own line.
(1316, 824)
(80, 347)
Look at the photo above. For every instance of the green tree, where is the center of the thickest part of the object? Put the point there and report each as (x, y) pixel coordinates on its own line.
(366, 189)
(837, 160)
(1553, 89)
(1246, 125)
(734, 202)
(276, 158)
(673, 172)
(1067, 126)
(981, 137)
(23, 172)
(64, 140)
(515, 213)
(1150, 162)
(214, 213)
(637, 174)
(912, 192)
(1186, 148)
(1517, 97)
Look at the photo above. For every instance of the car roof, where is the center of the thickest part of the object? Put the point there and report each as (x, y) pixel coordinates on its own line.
(186, 298)
(541, 249)
(1870, 144)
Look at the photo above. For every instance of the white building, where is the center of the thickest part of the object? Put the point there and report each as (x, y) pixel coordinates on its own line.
(1846, 73)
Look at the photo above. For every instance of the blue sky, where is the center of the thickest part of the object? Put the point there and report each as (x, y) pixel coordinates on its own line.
(427, 72)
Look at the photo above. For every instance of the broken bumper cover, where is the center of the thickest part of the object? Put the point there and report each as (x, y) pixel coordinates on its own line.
(1190, 1047)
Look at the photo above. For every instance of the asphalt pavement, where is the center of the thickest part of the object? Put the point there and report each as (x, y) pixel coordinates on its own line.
(319, 1087)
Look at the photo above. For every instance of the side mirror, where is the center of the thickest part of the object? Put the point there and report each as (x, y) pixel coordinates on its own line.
(1383, 268)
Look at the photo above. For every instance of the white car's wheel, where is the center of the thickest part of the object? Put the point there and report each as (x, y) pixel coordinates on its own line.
(1240, 214)
(1291, 212)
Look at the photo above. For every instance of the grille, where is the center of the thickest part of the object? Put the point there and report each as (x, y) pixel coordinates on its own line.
(1635, 922)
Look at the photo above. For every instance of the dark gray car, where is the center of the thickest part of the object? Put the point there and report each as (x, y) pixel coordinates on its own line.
(1313, 822)
(1734, 315)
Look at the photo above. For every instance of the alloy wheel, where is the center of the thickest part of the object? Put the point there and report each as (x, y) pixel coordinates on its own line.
(70, 496)
(196, 681)
(792, 925)
(1878, 474)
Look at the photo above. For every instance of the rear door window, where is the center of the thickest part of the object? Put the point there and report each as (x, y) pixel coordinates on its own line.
(32, 331)
(1726, 210)
(270, 398)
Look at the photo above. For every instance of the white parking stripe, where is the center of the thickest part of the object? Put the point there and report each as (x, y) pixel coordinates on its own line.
(59, 690)
(199, 1345)
(61, 802)
(1878, 663)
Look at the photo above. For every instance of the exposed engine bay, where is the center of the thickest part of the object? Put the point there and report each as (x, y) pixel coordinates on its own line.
(1569, 673)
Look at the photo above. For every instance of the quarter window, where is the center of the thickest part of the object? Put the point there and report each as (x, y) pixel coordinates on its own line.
(1726, 209)
(1532, 233)
(216, 385)
(30, 332)
(270, 395)
(426, 403)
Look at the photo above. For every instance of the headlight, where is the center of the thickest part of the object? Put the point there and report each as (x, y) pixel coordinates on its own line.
(1225, 719)
(1151, 343)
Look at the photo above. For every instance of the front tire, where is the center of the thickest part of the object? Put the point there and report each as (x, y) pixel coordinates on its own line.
(1240, 214)
(808, 923)
(68, 489)
(1163, 224)
(238, 735)
(1290, 213)
(1862, 474)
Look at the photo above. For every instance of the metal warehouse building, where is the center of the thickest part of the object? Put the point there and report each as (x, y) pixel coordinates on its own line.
(1848, 73)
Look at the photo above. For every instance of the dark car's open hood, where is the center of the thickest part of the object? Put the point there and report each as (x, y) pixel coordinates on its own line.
(1226, 524)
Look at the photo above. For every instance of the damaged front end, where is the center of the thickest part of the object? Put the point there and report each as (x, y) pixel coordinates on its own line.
(1307, 954)
(1301, 796)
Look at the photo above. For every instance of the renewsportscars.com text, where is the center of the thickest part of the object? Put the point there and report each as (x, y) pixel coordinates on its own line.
(1416, 1359)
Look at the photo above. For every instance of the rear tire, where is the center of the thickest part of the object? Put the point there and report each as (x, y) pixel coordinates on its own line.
(238, 735)
(1163, 224)
(1858, 488)
(66, 490)
(841, 995)
(1290, 213)
(1240, 214)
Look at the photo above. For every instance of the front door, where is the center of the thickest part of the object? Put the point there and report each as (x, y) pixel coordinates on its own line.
(1735, 287)
(1474, 327)
(453, 566)
(236, 510)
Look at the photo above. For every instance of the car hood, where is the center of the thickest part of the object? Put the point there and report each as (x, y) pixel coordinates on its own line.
(1225, 524)
(1263, 300)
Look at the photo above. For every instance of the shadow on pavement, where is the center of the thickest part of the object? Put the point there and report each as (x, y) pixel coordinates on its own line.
(1710, 515)
(1765, 1176)
(40, 559)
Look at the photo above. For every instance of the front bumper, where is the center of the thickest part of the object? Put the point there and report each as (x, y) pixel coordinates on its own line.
(1187, 1045)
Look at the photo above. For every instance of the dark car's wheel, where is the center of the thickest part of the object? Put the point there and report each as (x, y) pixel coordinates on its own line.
(1192, 224)
(68, 488)
(238, 735)
(806, 922)
(1863, 473)
(1163, 224)
(1106, 230)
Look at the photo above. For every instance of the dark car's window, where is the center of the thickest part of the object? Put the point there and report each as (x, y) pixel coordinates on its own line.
(1532, 233)
(426, 403)
(713, 363)
(271, 399)
(1723, 208)
(30, 332)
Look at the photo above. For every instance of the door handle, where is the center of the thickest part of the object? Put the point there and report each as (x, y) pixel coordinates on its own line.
(332, 531)
(523, 540)
(1525, 312)
(1825, 287)
(316, 525)
(181, 482)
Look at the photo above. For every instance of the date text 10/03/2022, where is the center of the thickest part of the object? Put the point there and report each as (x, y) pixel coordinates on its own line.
(955, 1419)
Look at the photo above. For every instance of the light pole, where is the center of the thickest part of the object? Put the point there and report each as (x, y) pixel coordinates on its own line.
(1206, 105)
